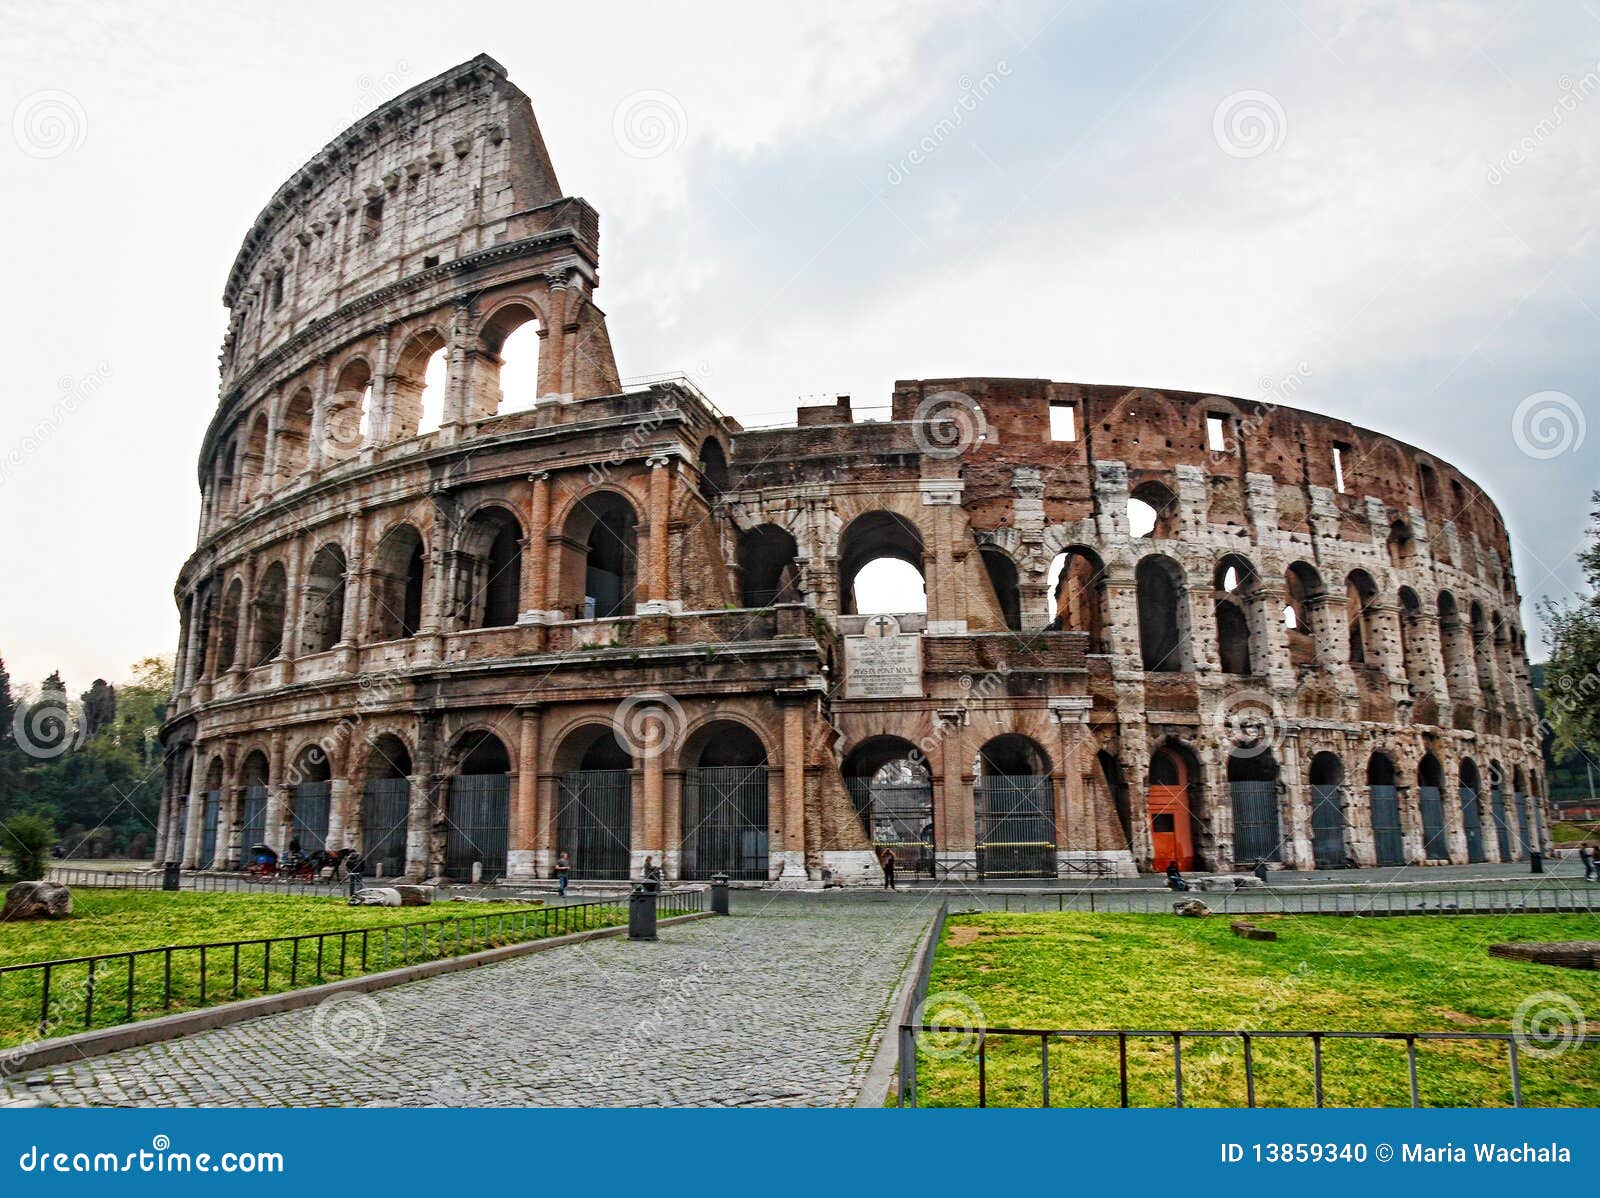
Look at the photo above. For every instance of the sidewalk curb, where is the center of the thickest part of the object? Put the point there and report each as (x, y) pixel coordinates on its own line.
(874, 1088)
(25, 1058)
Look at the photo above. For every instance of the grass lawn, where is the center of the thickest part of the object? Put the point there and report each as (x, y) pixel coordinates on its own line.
(1161, 972)
(108, 921)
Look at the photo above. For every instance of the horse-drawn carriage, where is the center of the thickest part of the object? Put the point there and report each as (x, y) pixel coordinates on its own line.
(263, 863)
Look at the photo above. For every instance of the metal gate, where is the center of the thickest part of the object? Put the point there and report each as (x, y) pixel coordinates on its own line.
(1255, 822)
(1430, 804)
(1388, 841)
(1016, 826)
(1522, 825)
(898, 817)
(309, 821)
(725, 822)
(1327, 827)
(253, 818)
(183, 828)
(1502, 826)
(594, 822)
(208, 828)
(385, 815)
(1473, 823)
(477, 825)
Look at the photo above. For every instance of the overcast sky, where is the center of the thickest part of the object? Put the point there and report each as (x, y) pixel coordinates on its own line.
(1391, 203)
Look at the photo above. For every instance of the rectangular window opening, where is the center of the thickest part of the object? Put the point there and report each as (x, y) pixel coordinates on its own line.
(1216, 433)
(1339, 450)
(1063, 422)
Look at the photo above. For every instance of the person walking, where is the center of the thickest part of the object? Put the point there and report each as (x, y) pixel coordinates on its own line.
(1587, 858)
(1175, 877)
(886, 859)
(563, 871)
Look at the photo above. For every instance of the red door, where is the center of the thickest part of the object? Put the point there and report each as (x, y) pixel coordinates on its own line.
(1171, 834)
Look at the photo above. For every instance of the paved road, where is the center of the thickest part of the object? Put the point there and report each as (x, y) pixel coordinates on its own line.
(778, 1005)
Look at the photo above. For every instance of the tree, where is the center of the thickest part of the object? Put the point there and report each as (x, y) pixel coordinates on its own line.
(26, 839)
(99, 706)
(1571, 690)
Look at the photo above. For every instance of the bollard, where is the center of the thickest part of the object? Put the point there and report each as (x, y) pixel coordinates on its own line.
(1536, 862)
(719, 894)
(169, 876)
(641, 914)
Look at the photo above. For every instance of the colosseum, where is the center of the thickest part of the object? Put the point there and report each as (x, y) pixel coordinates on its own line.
(463, 600)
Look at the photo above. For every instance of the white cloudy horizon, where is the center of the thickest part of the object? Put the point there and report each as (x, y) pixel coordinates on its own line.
(1391, 204)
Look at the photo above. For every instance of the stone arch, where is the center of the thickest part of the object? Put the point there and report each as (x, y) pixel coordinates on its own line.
(891, 786)
(255, 481)
(1175, 790)
(268, 608)
(1163, 615)
(1401, 545)
(725, 805)
(228, 625)
(870, 539)
(1360, 595)
(399, 569)
(713, 466)
(477, 804)
(1077, 586)
(1014, 808)
(322, 615)
(1302, 614)
(347, 412)
(1430, 806)
(1236, 591)
(594, 814)
(1003, 577)
(386, 769)
(1326, 778)
(510, 333)
(293, 439)
(769, 571)
(490, 568)
(420, 370)
(1252, 771)
(1153, 511)
(599, 556)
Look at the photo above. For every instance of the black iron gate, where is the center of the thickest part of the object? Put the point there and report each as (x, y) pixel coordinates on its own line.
(594, 822)
(1472, 822)
(309, 820)
(1430, 805)
(208, 828)
(253, 819)
(385, 813)
(1502, 826)
(898, 817)
(1388, 841)
(183, 828)
(725, 822)
(1016, 826)
(1255, 822)
(1522, 825)
(477, 827)
(1327, 827)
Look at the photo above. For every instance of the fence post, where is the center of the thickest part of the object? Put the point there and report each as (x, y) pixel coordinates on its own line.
(908, 1066)
(169, 876)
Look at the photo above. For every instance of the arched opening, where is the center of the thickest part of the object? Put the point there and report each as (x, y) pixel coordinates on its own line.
(398, 566)
(1327, 812)
(880, 566)
(478, 808)
(1015, 808)
(385, 806)
(267, 615)
(1302, 613)
(1519, 790)
(416, 393)
(228, 627)
(1077, 585)
(506, 378)
(1152, 512)
(255, 458)
(600, 558)
(892, 789)
(1430, 806)
(1497, 808)
(310, 799)
(1002, 573)
(211, 815)
(254, 776)
(594, 817)
(768, 572)
(1360, 593)
(1117, 788)
(1163, 620)
(1471, 814)
(1412, 652)
(1457, 662)
(713, 469)
(725, 827)
(226, 483)
(347, 423)
(1482, 651)
(1173, 791)
(1383, 797)
(294, 437)
(491, 569)
(1400, 545)
(1253, 787)
(1235, 587)
(322, 623)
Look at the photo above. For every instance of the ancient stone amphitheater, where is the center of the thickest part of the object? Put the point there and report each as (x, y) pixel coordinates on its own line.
(465, 613)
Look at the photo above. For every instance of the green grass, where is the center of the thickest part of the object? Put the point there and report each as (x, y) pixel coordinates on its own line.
(1572, 832)
(120, 921)
(1162, 972)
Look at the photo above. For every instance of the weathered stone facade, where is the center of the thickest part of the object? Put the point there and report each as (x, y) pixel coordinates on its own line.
(617, 624)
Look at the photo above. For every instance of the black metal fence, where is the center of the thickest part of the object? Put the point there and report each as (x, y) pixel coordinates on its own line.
(109, 989)
(980, 1038)
(140, 879)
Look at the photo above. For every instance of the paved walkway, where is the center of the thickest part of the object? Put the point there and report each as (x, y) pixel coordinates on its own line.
(777, 1005)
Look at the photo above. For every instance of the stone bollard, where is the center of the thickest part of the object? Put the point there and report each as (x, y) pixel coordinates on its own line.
(719, 894)
(169, 876)
(641, 914)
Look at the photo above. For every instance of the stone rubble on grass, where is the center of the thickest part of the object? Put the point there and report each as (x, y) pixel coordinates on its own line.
(37, 900)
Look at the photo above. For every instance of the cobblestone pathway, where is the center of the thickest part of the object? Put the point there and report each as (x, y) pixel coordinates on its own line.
(774, 1006)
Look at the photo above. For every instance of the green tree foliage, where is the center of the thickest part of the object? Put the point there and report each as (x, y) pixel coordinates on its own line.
(27, 839)
(1571, 692)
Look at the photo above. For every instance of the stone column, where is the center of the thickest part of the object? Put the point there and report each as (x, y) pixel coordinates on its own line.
(356, 582)
(158, 852)
(1295, 807)
(278, 798)
(792, 863)
(520, 859)
(654, 788)
(657, 587)
(954, 815)
(536, 553)
(339, 791)
(545, 837)
(554, 337)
